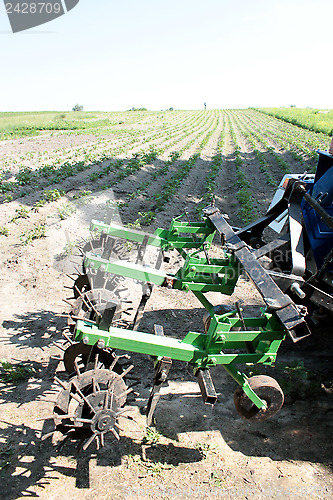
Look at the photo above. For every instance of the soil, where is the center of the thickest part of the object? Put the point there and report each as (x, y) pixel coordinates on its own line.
(193, 450)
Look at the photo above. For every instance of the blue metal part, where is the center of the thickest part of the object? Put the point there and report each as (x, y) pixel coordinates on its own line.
(319, 235)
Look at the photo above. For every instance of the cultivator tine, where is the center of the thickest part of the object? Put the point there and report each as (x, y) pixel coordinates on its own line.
(89, 441)
(68, 338)
(67, 302)
(60, 382)
(77, 369)
(102, 439)
(114, 362)
(49, 434)
(124, 393)
(116, 435)
(127, 371)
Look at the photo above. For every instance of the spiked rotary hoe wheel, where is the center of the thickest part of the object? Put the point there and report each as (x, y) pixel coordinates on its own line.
(90, 404)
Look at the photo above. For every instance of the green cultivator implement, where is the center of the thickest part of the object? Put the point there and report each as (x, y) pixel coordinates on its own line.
(121, 266)
(93, 398)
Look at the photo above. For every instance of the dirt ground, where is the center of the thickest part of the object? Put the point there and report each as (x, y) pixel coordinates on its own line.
(194, 450)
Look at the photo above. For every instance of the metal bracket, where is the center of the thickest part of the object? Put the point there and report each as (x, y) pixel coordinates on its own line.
(162, 369)
(276, 300)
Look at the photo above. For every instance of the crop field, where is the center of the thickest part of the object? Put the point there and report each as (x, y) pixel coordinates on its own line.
(55, 169)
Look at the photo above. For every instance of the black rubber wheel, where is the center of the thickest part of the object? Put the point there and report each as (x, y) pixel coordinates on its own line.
(268, 390)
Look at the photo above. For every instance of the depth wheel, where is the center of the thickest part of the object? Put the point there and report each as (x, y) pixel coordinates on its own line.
(268, 390)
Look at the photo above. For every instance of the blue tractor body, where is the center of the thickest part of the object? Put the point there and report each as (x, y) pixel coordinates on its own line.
(320, 236)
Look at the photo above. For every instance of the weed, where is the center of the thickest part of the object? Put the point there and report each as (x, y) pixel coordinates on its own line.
(152, 436)
(206, 449)
(24, 176)
(297, 381)
(33, 234)
(216, 479)
(4, 231)
(81, 194)
(16, 373)
(156, 468)
(133, 225)
(8, 198)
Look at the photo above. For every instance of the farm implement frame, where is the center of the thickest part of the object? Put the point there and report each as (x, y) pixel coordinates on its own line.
(94, 396)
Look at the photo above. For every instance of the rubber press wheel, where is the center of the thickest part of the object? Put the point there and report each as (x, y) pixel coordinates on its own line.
(268, 390)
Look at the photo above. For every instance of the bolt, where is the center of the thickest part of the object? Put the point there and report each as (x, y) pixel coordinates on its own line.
(101, 344)
(102, 268)
(214, 361)
(297, 290)
(85, 340)
(193, 269)
(222, 338)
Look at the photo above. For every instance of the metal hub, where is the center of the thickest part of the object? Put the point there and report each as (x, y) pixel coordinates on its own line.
(103, 421)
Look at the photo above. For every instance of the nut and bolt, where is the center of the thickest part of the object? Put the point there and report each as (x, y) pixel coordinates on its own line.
(85, 340)
(101, 344)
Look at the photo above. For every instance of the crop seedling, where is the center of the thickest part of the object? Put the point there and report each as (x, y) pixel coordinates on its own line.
(52, 195)
(66, 210)
(21, 213)
(4, 231)
(33, 234)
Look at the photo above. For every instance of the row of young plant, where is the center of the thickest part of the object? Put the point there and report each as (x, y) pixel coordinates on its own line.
(23, 212)
(139, 160)
(210, 184)
(53, 173)
(158, 200)
(300, 143)
(135, 163)
(256, 132)
(170, 187)
(264, 166)
(247, 210)
(63, 155)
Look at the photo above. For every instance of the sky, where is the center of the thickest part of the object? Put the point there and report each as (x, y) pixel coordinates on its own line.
(112, 55)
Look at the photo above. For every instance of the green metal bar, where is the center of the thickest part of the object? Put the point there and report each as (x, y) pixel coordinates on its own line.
(161, 238)
(191, 349)
(241, 379)
(124, 268)
(144, 343)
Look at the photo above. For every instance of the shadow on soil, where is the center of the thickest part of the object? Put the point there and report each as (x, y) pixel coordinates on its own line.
(302, 430)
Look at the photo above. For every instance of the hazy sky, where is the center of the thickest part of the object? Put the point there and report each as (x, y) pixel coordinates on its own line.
(112, 55)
